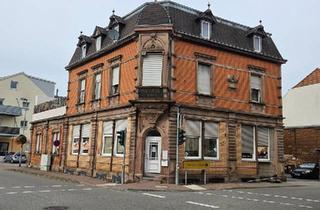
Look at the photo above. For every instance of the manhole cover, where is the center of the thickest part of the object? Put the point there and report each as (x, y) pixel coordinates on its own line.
(56, 208)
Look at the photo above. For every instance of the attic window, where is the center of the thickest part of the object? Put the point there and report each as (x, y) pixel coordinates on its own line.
(98, 43)
(83, 51)
(257, 43)
(205, 29)
(116, 28)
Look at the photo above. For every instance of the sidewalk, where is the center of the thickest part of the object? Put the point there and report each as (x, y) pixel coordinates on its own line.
(154, 185)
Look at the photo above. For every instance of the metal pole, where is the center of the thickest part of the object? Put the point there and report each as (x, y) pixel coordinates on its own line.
(124, 160)
(23, 128)
(177, 146)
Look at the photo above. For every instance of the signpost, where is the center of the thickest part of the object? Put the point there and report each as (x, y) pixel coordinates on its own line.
(195, 165)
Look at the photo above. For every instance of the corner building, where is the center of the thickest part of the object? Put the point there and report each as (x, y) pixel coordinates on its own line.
(135, 73)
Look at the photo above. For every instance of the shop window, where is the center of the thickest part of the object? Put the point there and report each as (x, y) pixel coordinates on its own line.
(107, 138)
(248, 142)
(120, 125)
(55, 137)
(204, 79)
(193, 139)
(211, 141)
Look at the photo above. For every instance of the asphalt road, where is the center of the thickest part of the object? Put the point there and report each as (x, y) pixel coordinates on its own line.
(29, 192)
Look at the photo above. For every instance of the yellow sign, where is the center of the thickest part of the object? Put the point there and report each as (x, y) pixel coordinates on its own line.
(195, 164)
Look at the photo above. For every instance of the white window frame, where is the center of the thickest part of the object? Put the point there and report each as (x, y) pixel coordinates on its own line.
(83, 51)
(205, 36)
(200, 145)
(75, 136)
(260, 88)
(113, 84)
(210, 79)
(103, 141)
(269, 144)
(257, 48)
(82, 90)
(98, 43)
(55, 136)
(38, 143)
(156, 82)
(217, 142)
(115, 146)
(97, 86)
(82, 139)
(254, 145)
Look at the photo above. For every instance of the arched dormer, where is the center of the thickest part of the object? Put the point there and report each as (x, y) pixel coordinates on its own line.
(206, 20)
(257, 34)
(84, 43)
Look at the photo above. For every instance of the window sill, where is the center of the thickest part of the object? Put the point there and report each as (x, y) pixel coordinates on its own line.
(204, 95)
(248, 160)
(105, 155)
(257, 103)
(211, 158)
(113, 95)
(95, 100)
(192, 158)
(264, 161)
(80, 104)
(118, 155)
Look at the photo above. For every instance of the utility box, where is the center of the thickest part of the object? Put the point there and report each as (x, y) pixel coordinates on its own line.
(45, 162)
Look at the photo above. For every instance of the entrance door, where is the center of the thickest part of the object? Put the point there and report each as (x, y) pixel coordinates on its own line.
(152, 154)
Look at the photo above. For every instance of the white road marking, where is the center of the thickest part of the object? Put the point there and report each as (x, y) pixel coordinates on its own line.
(29, 186)
(202, 204)
(11, 193)
(1, 188)
(250, 193)
(24, 192)
(63, 190)
(304, 206)
(287, 204)
(240, 192)
(57, 185)
(44, 191)
(80, 185)
(195, 187)
(16, 187)
(268, 201)
(154, 195)
(72, 189)
(266, 195)
(87, 189)
(209, 193)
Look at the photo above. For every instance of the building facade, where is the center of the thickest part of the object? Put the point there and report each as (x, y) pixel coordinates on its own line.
(18, 95)
(301, 119)
(138, 72)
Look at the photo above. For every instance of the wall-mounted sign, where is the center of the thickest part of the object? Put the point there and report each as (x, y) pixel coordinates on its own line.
(195, 164)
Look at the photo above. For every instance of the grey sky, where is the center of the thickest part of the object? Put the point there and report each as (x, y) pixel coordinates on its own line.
(39, 36)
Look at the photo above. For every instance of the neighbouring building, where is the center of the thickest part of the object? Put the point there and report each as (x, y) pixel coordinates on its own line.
(301, 111)
(18, 95)
(137, 72)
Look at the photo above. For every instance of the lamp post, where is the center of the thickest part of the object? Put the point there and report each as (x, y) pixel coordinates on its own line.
(25, 106)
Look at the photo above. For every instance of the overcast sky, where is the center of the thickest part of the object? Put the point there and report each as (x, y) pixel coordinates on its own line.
(40, 36)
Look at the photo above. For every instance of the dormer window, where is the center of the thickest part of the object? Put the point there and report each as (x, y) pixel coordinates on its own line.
(257, 43)
(98, 43)
(116, 28)
(83, 51)
(205, 29)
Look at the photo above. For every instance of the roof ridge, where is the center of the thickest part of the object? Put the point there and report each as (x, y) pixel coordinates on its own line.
(40, 79)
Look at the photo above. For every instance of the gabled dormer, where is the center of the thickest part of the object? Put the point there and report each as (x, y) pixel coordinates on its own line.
(84, 43)
(257, 34)
(99, 35)
(115, 25)
(206, 20)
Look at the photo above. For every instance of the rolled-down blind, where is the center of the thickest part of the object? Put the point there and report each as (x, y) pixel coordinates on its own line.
(263, 136)
(211, 129)
(247, 139)
(203, 81)
(115, 75)
(152, 70)
(192, 128)
(85, 131)
(121, 125)
(255, 82)
(107, 127)
(76, 131)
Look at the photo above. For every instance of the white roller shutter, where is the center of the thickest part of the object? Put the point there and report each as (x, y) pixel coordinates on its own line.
(193, 128)
(203, 80)
(107, 128)
(255, 82)
(152, 70)
(121, 125)
(247, 139)
(211, 129)
(76, 131)
(86, 131)
(115, 76)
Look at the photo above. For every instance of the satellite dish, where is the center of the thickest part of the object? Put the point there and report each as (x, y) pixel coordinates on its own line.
(113, 34)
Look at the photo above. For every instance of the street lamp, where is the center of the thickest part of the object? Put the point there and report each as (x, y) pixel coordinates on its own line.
(25, 106)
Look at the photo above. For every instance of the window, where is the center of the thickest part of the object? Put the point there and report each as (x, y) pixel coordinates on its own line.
(107, 138)
(97, 86)
(23, 124)
(116, 28)
(82, 91)
(257, 43)
(120, 125)
(98, 43)
(255, 88)
(248, 142)
(204, 79)
(152, 70)
(263, 149)
(115, 80)
(193, 139)
(55, 137)
(1, 101)
(25, 104)
(205, 29)
(80, 142)
(75, 139)
(14, 85)
(83, 51)
(210, 141)
(38, 143)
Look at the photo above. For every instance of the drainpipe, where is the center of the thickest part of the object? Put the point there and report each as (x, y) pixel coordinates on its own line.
(94, 144)
(177, 146)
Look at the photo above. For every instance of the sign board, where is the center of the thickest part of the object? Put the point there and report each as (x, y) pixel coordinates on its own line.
(195, 164)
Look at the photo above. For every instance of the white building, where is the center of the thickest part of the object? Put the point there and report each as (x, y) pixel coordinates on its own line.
(18, 95)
